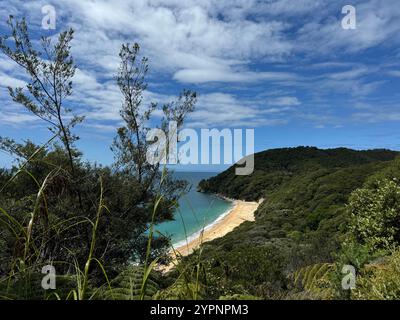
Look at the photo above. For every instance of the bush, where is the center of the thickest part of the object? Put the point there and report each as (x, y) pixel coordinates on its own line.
(379, 281)
(375, 215)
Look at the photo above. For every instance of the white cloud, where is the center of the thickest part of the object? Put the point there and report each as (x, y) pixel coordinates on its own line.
(394, 73)
(377, 22)
(17, 118)
(284, 101)
(354, 73)
(373, 117)
(171, 31)
(228, 75)
(226, 110)
(7, 81)
(218, 41)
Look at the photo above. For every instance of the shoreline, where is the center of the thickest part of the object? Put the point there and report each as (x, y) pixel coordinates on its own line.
(240, 212)
(197, 234)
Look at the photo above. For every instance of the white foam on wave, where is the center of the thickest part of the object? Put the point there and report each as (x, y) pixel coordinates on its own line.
(197, 234)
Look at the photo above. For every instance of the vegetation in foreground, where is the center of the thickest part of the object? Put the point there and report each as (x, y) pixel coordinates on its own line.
(322, 209)
(91, 223)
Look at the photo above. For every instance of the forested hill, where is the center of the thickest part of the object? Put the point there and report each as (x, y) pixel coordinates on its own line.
(276, 166)
(301, 222)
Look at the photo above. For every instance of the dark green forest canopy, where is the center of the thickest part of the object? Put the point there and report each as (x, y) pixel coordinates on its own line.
(301, 221)
(276, 166)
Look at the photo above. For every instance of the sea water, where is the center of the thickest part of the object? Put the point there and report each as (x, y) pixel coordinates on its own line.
(196, 210)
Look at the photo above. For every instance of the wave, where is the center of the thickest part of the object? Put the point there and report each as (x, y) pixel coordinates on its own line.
(197, 234)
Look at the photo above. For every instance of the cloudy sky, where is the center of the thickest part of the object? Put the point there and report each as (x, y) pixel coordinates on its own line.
(286, 68)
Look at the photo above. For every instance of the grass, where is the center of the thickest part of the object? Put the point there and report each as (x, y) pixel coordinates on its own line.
(20, 283)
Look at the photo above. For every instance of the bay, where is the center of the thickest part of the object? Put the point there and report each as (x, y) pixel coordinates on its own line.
(196, 210)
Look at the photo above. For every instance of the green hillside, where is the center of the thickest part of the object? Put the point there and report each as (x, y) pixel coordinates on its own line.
(276, 166)
(302, 220)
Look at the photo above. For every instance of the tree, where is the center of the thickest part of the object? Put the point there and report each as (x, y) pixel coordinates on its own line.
(130, 146)
(61, 231)
(50, 73)
(375, 215)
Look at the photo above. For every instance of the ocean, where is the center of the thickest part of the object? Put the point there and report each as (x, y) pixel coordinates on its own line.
(196, 210)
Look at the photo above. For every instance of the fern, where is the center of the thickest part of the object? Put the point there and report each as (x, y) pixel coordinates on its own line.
(181, 290)
(128, 286)
(239, 297)
(313, 281)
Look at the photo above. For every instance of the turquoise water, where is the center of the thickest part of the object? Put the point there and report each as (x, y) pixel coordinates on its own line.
(196, 209)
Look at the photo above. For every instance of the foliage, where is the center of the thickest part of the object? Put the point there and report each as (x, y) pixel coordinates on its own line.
(127, 286)
(313, 282)
(27, 286)
(50, 71)
(95, 224)
(90, 222)
(375, 215)
(239, 297)
(379, 280)
(276, 166)
(180, 290)
(303, 216)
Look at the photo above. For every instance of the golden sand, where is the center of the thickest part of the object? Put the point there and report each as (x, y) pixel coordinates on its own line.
(242, 211)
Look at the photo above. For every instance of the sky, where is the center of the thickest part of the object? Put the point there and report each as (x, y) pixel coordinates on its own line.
(286, 68)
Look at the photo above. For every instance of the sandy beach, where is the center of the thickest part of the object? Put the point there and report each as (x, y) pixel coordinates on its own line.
(241, 211)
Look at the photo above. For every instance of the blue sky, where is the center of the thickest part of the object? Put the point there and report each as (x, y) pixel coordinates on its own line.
(285, 68)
